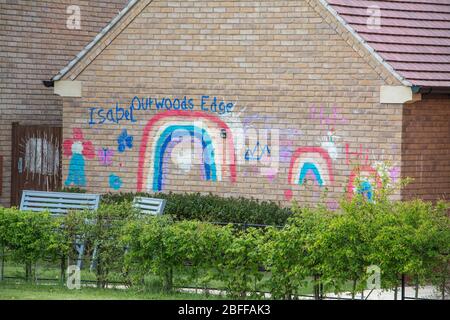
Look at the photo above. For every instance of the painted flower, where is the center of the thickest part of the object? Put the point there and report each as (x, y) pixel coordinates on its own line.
(124, 141)
(82, 146)
(115, 182)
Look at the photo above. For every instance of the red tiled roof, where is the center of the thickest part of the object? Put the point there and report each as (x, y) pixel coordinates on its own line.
(414, 37)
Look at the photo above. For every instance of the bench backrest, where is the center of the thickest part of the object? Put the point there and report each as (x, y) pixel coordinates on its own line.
(58, 202)
(149, 205)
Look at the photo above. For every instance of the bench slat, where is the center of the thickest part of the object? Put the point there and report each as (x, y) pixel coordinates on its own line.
(56, 205)
(63, 195)
(149, 205)
(144, 207)
(45, 209)
(58, 202)
(149, 201)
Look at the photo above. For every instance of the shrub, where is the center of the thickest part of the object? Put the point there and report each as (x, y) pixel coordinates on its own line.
(241, 263)
(30, 237)
(345, 246)
(292, 253)
(403, 238)
(150, 250)
(212, 208)
(103, 232)
(412, 240)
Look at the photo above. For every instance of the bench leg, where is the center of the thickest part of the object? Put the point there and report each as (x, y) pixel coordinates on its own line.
(94, 259)
(79, 247)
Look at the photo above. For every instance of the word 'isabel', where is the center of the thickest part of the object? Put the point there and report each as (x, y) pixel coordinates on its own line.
(117, 114)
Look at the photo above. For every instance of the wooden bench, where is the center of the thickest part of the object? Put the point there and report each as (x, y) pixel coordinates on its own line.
(60, 203)
(149, 205)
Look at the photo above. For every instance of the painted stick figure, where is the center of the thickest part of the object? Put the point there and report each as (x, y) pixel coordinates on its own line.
(77, 149)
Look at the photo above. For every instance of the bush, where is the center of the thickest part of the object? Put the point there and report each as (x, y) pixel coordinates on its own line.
(344, 244)
(103, 232)
(161, 246)
(409, 238)
(241, 263)
(212, 208)
(412, 240)
(31, 237)
(291, 253)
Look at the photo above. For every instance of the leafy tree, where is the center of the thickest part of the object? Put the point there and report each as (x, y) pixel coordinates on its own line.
(241, 263)
(30, 236)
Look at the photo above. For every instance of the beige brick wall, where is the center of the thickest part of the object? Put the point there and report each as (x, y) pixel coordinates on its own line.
(35, 45)
(281, 65)
(426, 148)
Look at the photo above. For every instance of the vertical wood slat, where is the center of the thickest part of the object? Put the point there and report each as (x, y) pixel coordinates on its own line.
(35, 175)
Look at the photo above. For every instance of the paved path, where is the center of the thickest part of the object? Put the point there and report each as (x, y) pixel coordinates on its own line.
(427, 292)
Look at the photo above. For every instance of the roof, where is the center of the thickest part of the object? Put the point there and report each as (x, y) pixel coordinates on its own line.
(413, 41)
(414, 36)
(97, 39)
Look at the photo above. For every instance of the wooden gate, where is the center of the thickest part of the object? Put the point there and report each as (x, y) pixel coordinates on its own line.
(36, 159)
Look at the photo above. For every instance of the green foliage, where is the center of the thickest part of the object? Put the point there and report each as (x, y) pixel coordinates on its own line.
(413, 240)
(30, 236)
(292, 253)
(104, 233)
(344, 245)
(73, 190)
(159, 245)
(241, 263)
(212, 208)
(403, 238)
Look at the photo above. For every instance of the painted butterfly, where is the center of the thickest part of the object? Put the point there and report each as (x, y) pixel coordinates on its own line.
(105, 155)
(124, 141)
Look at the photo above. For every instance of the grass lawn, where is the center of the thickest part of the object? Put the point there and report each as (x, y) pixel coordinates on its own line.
(50, 274)
(22, 291)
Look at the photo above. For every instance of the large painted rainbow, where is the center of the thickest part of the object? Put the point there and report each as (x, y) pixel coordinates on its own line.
(166, 129)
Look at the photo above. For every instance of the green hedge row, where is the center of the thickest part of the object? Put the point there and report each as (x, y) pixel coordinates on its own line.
(208, 207)
(402, 238)
(212, 208)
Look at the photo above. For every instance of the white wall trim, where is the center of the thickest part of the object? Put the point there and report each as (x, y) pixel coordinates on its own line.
(68, 88)
(398, 94)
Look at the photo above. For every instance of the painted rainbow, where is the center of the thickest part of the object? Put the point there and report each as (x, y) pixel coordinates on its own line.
(311, 162)
(169, 128)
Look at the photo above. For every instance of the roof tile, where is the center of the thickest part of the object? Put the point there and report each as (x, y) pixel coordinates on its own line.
(414, 35)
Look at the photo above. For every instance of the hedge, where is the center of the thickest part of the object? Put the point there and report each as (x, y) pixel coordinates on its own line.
(212, 208)
(208, 207)
(402, 238)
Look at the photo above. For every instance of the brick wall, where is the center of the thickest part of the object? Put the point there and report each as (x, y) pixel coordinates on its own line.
(35, 45)
(426, 148)
(283, 65)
